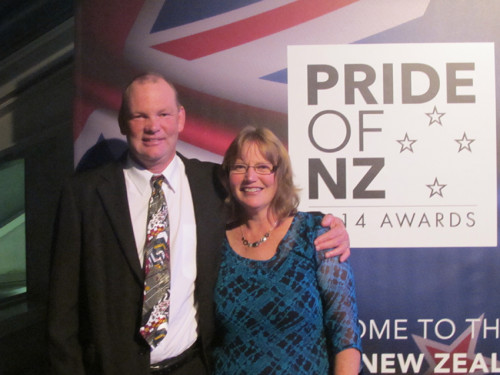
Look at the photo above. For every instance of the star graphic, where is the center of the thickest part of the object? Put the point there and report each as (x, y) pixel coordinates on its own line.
(406, 143)
(436, 188)
(464, 143)
(440, 357)
(435, 117)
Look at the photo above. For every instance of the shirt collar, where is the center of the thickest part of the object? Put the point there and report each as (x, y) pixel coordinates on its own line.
(141, 177)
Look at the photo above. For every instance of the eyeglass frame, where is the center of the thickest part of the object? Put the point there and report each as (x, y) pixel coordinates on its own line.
(272, 168)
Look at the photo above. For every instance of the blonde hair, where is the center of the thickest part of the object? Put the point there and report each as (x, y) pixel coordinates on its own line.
(286, 200)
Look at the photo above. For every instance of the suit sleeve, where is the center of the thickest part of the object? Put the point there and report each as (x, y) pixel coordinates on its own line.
(65, 351)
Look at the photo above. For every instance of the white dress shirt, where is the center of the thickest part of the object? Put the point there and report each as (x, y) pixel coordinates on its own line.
(182, 326)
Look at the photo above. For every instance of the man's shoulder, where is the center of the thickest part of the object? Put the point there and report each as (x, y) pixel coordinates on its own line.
(196, 163)
(199, 168)
(108, 171)
(204, 176)
(311, 219)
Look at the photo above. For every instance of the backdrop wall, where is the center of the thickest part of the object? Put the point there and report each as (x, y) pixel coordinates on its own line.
(429, 299)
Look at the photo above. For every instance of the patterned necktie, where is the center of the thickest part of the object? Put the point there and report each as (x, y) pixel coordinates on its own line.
(156, 267)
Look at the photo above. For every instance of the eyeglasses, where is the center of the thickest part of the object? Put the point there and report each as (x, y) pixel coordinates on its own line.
(241, 168)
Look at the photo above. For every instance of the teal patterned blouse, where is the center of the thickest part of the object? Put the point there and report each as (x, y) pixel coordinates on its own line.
(287, 315)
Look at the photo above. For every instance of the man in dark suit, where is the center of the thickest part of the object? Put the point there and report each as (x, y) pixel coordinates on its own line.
(97, 275)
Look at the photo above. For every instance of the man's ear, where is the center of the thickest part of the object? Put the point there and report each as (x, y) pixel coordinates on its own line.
(123, 129)
(122, 123)
(181, 118)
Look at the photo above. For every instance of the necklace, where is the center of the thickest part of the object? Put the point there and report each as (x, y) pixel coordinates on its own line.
(258, 242)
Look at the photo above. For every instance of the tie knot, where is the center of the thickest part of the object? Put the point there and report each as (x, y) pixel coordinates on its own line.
(156, 181)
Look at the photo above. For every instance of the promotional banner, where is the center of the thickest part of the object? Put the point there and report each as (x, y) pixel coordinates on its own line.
(388, 109)
(385, 134)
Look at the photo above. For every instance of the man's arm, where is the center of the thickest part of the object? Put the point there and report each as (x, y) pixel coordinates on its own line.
(64, 348)
(336, 238)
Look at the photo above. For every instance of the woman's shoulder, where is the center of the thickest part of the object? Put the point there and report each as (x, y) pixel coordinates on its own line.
(311, 220)
(310, 228)
(306, 227)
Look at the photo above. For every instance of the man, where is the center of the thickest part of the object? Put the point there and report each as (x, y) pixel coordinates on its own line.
(97, 279)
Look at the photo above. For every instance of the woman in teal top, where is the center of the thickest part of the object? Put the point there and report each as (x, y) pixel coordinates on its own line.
(280, 307)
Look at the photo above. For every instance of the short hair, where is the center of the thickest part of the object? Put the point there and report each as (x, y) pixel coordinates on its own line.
(149, 77)
(286, 200)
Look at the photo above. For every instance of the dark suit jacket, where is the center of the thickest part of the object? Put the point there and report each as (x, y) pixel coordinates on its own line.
(96, 278)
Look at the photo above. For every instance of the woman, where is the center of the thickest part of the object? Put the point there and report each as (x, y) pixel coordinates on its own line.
(280, 308)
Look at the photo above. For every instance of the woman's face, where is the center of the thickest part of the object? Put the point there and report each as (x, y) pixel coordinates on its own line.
(254, 191)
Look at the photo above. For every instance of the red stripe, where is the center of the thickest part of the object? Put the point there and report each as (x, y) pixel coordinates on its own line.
(102, 28)
(106, 24)
(250, 29)
(211, 124)
(91, 95)
(208, 135)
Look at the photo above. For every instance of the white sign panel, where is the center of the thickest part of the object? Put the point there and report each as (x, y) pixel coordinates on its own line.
(399, 140)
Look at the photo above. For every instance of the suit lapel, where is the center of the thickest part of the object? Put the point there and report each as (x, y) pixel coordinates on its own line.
(210, 222)
(113, 194)
(197, 187)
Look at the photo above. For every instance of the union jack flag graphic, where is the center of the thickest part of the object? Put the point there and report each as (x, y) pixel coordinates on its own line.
(227, 58)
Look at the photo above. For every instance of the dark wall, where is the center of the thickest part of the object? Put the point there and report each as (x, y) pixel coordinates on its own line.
(48, 155)
(22, 22)
(36, 103)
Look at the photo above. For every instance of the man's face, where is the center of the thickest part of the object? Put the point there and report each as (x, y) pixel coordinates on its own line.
(153, 124)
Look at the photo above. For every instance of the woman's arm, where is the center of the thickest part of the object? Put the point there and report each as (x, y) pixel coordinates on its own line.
(340, 312)
(347, 362)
